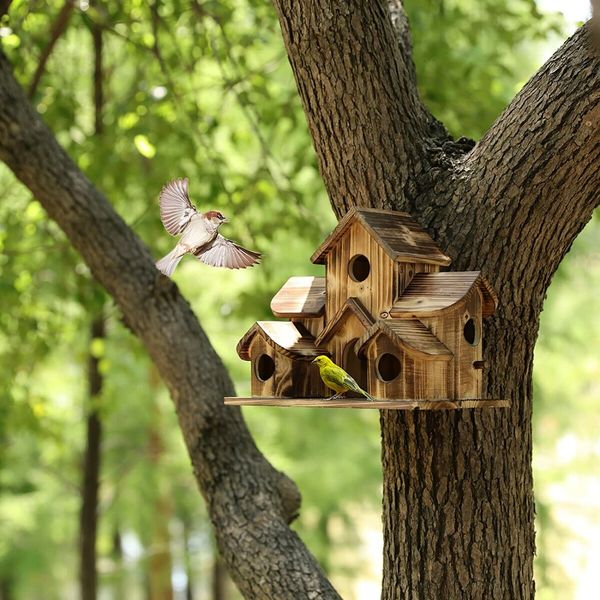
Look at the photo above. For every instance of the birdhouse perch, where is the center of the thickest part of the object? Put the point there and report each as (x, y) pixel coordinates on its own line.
(408, 333)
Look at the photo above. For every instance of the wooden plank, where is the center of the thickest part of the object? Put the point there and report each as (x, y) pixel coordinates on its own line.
(283, 336)
(431, 293)
(366, 404)
(409, 334)
(300, 297)
(401, 237)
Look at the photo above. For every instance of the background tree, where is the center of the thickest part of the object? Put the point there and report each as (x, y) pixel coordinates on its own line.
(139, 120)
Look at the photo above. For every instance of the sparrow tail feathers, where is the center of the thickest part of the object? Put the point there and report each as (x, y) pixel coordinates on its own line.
(167, 264)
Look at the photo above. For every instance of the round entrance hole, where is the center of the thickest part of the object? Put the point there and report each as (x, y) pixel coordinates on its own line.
(359, 267)
(265, 367)
(388, 367)
(471, 332)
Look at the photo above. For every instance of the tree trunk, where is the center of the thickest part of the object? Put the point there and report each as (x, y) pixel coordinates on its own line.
(6, 587)
(458, 505)
(119, 580)
(91, 474)
(458, 490)
(219, 578)
(159, 561)
(187, 559)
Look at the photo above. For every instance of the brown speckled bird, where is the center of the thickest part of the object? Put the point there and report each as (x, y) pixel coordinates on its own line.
(199, 233)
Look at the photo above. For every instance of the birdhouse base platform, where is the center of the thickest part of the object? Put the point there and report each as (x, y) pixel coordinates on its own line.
(362, 403)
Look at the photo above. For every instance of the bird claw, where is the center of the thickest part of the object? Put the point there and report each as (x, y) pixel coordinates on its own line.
(335, 397)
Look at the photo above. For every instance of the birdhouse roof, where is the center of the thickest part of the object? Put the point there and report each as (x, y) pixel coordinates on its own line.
(410, 335)
(352, 306)
(300, 297)
(284, 336)
(429, 294)
(397, 233)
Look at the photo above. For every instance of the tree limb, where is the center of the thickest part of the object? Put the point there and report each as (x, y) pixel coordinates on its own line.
(354, 83)
(401, 27)
(58, 28)
(249, 502)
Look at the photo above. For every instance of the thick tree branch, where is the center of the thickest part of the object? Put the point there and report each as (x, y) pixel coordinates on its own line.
(534, 176)
(249, 502)
(402, 29)
(355, 85)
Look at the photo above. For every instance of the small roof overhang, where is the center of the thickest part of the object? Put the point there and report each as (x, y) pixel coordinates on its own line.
(410, 335)
(396, 232)
(284, 336)
(352, 306)
(430, 294)
(300, 297)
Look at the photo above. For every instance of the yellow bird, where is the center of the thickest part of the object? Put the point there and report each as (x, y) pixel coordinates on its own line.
(337, 379)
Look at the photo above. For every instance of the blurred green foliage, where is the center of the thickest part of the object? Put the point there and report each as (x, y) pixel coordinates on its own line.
(204, 90)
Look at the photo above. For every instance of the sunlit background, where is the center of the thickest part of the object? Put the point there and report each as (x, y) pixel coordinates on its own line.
(204, 90)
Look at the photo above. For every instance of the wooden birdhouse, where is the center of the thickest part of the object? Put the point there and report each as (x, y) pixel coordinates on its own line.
(408, 334)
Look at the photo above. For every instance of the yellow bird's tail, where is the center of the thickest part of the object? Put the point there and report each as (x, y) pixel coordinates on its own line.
(365, 394)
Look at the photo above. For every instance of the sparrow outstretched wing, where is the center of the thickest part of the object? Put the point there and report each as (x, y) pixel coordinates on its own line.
(225, 253)
(176, 210)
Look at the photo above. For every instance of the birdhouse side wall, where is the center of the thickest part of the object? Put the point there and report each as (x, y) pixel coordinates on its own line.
(465, 381)
(291, 378)
(377, 291)
(416, 380)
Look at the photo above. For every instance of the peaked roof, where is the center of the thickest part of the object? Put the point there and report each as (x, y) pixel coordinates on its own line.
(352, 306)
(432, 293)
(399, 235)
(286, 337)
(410, 334)
(300, 297)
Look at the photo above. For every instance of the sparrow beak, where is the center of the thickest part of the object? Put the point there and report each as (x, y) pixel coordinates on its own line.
(225, 220)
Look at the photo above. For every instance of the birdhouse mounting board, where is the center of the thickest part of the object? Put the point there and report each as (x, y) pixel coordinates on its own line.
(408, 334)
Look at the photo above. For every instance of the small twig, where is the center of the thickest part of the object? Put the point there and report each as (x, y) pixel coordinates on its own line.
(98, 79)
(46, 248)
(58, 28)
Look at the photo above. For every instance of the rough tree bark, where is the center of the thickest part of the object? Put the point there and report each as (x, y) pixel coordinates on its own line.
(458, 490)
(249, 502)
(458, 503)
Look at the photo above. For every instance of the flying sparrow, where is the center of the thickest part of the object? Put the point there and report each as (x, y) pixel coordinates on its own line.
(199, 233)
